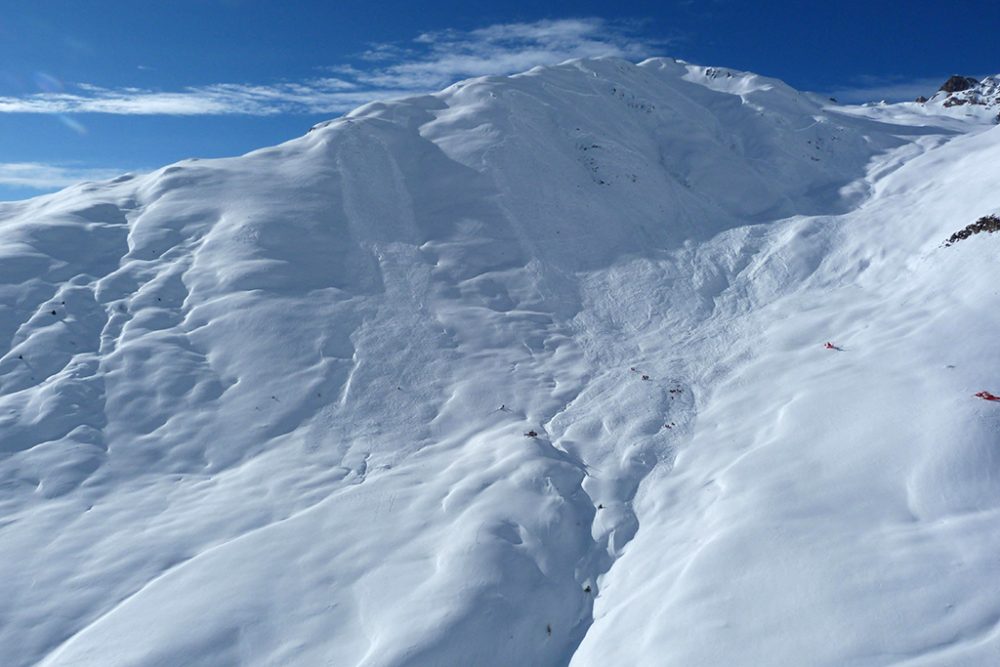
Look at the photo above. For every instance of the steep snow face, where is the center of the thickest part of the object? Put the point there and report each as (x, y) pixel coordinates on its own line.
(834, 506)
(528, 371)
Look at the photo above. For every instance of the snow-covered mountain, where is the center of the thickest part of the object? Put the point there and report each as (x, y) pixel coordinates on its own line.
(960, 91)
(966, 96)
(527, 372)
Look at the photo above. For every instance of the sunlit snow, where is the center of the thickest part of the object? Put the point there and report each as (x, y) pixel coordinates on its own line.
(278, 409)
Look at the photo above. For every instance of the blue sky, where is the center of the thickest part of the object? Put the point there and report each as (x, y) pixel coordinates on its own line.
(93, 89)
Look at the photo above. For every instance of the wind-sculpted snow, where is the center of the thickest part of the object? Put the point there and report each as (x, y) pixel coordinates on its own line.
(529, 371)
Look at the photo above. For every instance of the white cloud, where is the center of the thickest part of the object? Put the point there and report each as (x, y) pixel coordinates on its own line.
(888, 88)
(440, 58)
(223, 98)
(38, 176)
(431, 61)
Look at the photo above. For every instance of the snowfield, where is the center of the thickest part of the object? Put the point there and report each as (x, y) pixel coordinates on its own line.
(272, 410)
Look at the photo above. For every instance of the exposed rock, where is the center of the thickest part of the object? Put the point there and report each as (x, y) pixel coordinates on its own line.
(987, 223)
(958, 83)
(921, 99)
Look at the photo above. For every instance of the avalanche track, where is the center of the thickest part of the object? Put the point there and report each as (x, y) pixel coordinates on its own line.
(528, 371)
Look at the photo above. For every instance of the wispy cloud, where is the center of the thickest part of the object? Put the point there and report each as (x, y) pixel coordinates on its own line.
(888, 88)
(38, 176)
(224, 98)
(438, 58)
(426, 63)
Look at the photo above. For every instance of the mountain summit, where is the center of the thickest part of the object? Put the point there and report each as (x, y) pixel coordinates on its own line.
(959, 91)
(599, 364)
(956, 84)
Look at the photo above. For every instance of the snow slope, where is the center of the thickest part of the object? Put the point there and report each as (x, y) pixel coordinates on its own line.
(271, 410)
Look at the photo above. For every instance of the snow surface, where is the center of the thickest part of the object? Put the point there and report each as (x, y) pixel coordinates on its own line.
(271, 410)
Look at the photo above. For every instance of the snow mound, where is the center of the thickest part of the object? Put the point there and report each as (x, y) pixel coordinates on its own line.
(527, 371)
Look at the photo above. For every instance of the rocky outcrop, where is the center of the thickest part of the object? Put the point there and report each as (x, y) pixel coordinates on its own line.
(972, 96)
(956, 84)
(987, 223)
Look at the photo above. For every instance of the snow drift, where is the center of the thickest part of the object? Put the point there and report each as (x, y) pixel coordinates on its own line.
(272, 410)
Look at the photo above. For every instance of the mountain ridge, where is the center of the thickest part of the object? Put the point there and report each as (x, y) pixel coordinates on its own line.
(970, 95)
(273, 408)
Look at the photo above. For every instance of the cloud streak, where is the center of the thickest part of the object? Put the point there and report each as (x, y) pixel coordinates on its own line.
(428, 62)
(218, 99)
(890, 89)
(38, 176)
